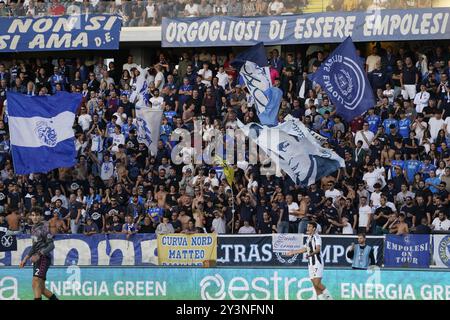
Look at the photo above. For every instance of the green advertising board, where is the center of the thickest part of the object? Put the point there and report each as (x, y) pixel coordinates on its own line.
(226, 284)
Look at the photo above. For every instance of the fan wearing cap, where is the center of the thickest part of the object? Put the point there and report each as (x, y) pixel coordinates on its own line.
(212, 179)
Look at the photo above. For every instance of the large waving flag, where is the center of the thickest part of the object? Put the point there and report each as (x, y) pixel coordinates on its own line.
(148, 123)
(42, 137)
(343, 78)
(294, 150)
(252, 66)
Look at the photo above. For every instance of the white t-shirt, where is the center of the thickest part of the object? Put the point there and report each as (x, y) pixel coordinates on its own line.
(205, 74)
(441, 225)
(276, 6)
(247, 230)
(219, 225)
(84, 121)
(334, 194)
(117, 140)
(107, 170)
(129, 66)
(369, 136)
(435, 126)
(375, 198)
(192, 10)
(347, 229)
(223, 79)
(447, 125)
(364, 214)
(160, 77)
(292, 207)
(371, 178)
(419, 131)
(157, 102)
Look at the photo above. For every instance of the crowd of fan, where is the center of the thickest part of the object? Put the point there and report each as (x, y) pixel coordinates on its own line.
(150, 13)
(396, 178)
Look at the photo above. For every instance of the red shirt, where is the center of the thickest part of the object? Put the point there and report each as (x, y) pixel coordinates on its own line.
(357, 124)
(57, 10)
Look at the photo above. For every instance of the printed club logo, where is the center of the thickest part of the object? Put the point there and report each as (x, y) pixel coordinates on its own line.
(212, 281)
(6, 241)
(348, 81)
(444, 250)
(46, 134)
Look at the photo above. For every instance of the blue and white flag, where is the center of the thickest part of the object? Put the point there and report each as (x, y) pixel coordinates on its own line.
(139, 88)
(42, 137)
(148, 124)
(294, 150)
(319, 138)
(252, 66)
(343, 78)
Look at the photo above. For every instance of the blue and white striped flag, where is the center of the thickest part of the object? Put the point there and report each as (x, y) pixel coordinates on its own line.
(42, 137)
(294, 150)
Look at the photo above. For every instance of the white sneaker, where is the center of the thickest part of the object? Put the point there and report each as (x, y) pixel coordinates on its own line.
(327, 296)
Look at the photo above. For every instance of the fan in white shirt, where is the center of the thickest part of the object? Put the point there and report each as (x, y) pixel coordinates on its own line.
(157, 101)
(206, 75)
(332, 192)
(246, 228)
(372, 177)
(441, 223)
(222, 76)
(365, 135)
(435, 123)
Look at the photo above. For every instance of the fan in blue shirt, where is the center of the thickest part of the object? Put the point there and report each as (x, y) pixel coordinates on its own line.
(387, 122)
(412, 167)
(426, 168)
(373, 120)
(396, 163)
(404, 125)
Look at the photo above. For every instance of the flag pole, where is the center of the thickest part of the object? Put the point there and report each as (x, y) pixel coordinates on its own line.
(232, 210)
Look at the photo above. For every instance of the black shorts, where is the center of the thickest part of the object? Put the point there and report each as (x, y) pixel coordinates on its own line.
(41, 266)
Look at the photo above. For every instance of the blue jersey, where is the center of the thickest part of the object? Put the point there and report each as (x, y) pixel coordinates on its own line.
(329, 126)
(387, 123)
(412, 167)
(396, 163)
(165, 131)
(169, 116)
(126, 128)
(156, 213)
(129, 227)
(373, 121)
(404, 127)
(434, 181)
(426, 168)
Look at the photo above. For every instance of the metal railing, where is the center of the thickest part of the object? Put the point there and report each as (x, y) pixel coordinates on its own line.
(149, 13)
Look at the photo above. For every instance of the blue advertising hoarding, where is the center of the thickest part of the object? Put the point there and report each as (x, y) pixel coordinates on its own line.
(408, 251)
(69, 32)
(326, 27)
(137, 283)
(95, 250)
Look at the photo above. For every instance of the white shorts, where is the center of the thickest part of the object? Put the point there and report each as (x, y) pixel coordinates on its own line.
(409, 92)
(315, 271)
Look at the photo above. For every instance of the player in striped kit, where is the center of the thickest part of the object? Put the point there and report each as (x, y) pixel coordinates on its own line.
(315, 262)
